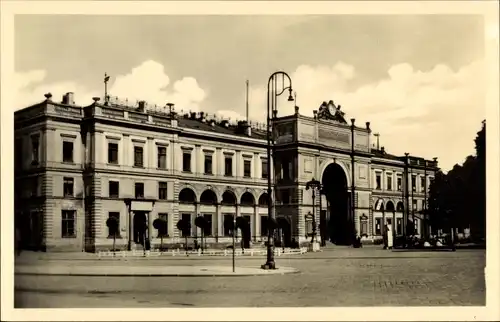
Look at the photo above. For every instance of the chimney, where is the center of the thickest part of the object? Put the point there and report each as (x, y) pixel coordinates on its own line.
(142, 106)
(368, 125)
(202, 117)
(382, 149)
(70, 97)
(315, 113)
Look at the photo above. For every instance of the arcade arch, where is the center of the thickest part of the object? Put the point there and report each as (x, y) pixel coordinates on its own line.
(340, 224)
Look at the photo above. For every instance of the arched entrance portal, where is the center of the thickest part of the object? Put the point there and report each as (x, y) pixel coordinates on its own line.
(340, 223)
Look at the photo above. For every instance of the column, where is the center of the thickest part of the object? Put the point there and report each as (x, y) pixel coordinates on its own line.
(150, 226)
(196, 229)
(238, 214)
(129, 227)
(256, 222)
(151, 152)
(237, 160)
(219, 162)
(125, 150)
(220, 228)
(198, 159)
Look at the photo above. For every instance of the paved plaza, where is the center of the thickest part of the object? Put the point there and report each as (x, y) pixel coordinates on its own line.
(334, 277)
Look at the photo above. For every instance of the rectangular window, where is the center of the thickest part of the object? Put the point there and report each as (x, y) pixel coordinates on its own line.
(68, 187)
(186, 161)
(400, 183)
(247, 168)
(35, 149)
(162, 157)
(208, 164)
(263, 226)
(114, 189)
(378, 226)
(228, 166)
(114, 231)
(186, 218)
(414, 183)
(399, 226)
(422, 184)
(163, 231)
(138, 156)
(162, 190)
(378, 181)
(68, 224)
(228, 224)
(389, 182)
(264, 168)
(67, 151)
(208, 229)
(139, 190)
(113, 153)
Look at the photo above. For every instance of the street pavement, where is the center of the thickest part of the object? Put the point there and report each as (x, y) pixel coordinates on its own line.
(335, 277)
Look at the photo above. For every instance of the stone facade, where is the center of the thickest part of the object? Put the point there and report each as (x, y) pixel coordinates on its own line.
(77, 166)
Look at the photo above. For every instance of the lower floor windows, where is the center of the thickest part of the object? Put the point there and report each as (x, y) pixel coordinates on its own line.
(378, 226)
(68, 224)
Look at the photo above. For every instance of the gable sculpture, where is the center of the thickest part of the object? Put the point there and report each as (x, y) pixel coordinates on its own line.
(331, 112)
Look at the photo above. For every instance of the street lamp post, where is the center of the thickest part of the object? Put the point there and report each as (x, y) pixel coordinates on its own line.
(313, 185)
(272, 111)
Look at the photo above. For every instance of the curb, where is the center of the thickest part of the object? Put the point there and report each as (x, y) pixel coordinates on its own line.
(176, 272)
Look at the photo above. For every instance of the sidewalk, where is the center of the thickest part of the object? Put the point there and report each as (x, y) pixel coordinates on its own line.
(119, 270)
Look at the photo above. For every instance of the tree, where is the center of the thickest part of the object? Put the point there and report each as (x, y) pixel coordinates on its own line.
(162, 226)
(458, 199)
(112, 223)
(185, 227)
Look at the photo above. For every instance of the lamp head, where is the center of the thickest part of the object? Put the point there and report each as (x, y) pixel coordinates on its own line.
(290, 96)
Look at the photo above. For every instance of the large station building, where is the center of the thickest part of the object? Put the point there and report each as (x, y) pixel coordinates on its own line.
(77, 166)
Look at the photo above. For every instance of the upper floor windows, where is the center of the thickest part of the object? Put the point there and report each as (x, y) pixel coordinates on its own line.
(228, 165)
(68, 187)
(400, 183)
(247, 168)
(389, 182)
(186, 161)
(139, 190)
(264, 169)
(113, 153)
(423, 184)
(162, 190)
(138, 156)
(114, 189)
(378, 181)
(162, 157)
(208, 163)
(67, 151)
(414, 183)
(35, 149)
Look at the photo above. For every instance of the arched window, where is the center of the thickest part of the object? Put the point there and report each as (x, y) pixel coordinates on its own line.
(229, 198)
(187, 196)
(247, 199)
(208, 197)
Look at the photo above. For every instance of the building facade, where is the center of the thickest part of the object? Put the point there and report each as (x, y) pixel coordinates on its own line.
(75, 167)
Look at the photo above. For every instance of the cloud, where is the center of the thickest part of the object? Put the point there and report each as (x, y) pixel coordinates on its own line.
(431, 113)
(148, 82)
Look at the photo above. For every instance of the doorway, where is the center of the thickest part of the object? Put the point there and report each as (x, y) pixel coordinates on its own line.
(140, 233)
(340, 224)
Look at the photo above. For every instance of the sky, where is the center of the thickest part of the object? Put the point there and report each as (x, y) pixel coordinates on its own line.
(419, 79)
